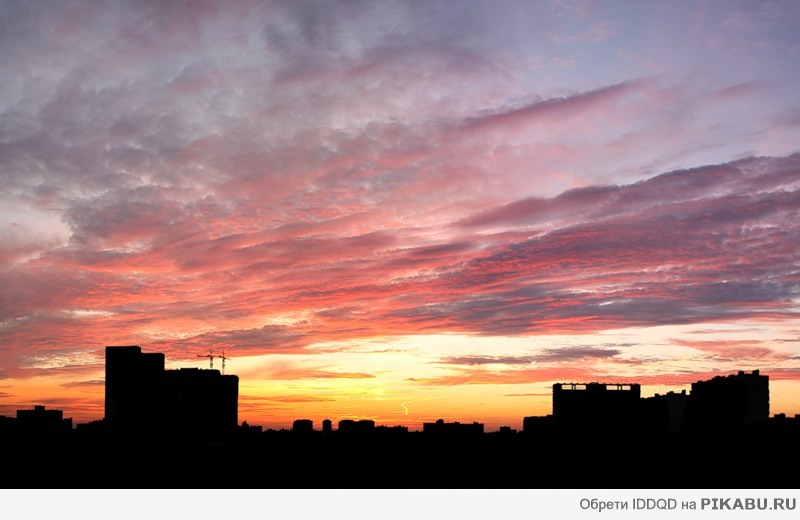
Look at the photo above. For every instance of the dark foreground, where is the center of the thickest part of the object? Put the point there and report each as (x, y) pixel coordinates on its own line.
(282, 460)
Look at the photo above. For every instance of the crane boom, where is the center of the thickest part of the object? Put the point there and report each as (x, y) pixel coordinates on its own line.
(210, 357)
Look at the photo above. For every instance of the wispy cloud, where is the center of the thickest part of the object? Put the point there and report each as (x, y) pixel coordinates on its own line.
(293, 399)
(556, 355)
(731, 350)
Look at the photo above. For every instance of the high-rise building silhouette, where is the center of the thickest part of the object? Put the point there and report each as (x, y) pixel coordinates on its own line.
(673, 409)
(142, 398)
(133, 400)
(595, 408)
(727, 402)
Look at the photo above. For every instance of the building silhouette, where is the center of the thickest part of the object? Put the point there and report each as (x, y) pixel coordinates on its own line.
(35, 425)
(144, 399)
(133, 389)
(587, 410)
(673, 404)
(303, 426)
(352, 426)
(201, 401)
(41, 421)
(454, 428)
(728, 402)
(538, 426)
(596, 408)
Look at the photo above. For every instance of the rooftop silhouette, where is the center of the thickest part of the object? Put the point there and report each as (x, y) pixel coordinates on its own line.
(144, 399)
(179, 429)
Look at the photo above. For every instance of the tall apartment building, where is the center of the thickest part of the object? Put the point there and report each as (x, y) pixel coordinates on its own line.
(595, 408)
(726, 402)
(143, 398)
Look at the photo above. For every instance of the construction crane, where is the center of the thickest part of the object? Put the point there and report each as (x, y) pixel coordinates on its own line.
(223, 358)
(210, 357)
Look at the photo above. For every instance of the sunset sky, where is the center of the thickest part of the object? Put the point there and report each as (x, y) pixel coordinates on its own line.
(399, 211)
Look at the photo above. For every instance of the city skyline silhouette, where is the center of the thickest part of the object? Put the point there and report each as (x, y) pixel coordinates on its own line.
(182, 424)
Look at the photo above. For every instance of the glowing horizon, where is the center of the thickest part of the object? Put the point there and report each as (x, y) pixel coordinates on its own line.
(395, 210)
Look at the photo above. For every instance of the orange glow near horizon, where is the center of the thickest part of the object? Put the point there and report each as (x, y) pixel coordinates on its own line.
(275, 406)
(410, 380)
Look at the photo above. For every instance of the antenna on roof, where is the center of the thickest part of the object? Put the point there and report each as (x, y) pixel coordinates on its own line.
(210, 357)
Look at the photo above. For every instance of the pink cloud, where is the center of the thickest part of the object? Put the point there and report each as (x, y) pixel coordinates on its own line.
(633, 256)
(731, 350)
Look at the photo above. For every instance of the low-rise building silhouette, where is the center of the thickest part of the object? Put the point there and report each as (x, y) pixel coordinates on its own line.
(352, 426)
(41, 421)
(454, 428)
(303, 426)
(538, 426)
(785, 427)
